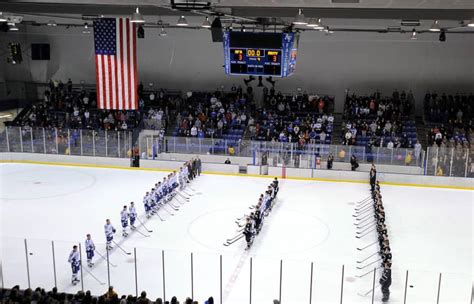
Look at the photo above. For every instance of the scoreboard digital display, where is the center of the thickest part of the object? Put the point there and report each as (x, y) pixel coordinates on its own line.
(260, 54)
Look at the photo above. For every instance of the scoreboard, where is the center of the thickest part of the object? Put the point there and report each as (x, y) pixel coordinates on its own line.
(260, 54)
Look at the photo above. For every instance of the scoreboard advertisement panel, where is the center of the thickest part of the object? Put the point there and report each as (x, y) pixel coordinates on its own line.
(260, 54)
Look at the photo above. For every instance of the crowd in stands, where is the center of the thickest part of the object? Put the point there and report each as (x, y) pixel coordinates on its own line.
(41, 296)
(64, 107)
(298, 118)
(450, 118)
(379, 121)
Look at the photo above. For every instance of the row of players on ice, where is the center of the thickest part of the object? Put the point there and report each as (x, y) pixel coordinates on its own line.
(254, 221)
(153, 200)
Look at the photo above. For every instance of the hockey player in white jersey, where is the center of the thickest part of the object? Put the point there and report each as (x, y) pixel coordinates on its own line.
(90, 248)
(124, 220)
(109, 233)
(75, 262)
(133, 215)
(146, 204)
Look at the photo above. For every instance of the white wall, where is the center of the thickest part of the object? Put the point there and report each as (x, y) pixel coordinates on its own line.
(334, 175)
(187, 59)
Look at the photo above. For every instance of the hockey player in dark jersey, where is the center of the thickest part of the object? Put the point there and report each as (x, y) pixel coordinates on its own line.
(249, 231)
(386, 281)
(373, 177)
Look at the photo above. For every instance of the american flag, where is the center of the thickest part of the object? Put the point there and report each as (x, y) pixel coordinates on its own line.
(116, 63)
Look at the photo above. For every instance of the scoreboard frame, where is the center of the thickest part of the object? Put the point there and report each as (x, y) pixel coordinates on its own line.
(251, 58)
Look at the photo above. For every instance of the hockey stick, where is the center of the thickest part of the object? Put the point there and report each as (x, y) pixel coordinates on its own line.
(369, 264)
(366, 293)
(180, 201)
(188, 194)
(360, 249)
(186, 198)
(167, 210)
(232, 242)
(362, 213)
(362, 206)
(360, 219)
(104, 258)
(368, 257)
(361, 236)
(142, 224)
(363, 221)
(238, 235)
(363, 231)
(363, 275)
(160, 217)
(364, 200)
(120, 247)
(99, 281)
(368, 206)
(365, 225)
(145, 235)
(173, 206)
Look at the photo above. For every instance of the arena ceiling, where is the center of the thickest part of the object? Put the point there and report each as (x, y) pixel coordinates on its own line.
(379, 13)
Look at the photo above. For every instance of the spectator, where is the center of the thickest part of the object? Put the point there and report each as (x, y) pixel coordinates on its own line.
(354, 163)
(330, 161)
(143, 299)
(209, 301)
(408, 159)
(231, 150)
(227, 161)
(110, 294)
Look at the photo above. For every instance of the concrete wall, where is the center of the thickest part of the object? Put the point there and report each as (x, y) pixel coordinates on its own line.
(187, 59)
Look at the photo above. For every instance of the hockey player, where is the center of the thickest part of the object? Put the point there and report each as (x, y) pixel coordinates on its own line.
(275, 185)
(109, 233)
(90, 248)
(373, 177)
(386, 281)
(75, 264)
(133, 215)
(146, 204)
(124, 220)
(257, 218)
(249, 232)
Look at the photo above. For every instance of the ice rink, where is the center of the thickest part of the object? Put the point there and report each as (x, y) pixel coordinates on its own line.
(431, 232)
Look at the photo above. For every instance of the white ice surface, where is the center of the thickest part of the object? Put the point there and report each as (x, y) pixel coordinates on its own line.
(430, 229)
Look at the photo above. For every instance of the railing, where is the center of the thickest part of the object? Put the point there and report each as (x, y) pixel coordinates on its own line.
(435, 161)
(291, 154)
(229, 278)
(81, 142)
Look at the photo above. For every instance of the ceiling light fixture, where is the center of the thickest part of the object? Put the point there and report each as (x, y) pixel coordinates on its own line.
(182, 21)
(2, 17)
(315, 24)
(300, 19)
(206, 23)
(435, 27)
(471, 23)
(86, 29)
(137, 17)
(163, 32)
(13, 27)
